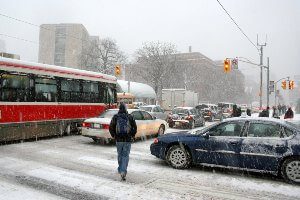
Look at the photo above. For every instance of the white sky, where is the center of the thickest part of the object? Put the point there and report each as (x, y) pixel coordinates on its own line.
(200, 23)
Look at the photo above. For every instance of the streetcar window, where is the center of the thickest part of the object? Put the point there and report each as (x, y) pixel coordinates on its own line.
(14, 88)
(110, 96)
(45, 90)
(70, 90)
(90, 92)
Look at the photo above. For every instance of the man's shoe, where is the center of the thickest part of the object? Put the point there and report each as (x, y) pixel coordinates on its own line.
(123, 176)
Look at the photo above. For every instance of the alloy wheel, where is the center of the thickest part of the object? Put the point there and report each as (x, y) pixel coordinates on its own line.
(292, 170)
(178, 157)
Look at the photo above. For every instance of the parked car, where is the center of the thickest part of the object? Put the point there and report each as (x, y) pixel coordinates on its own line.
(155, 110)
(254, 144)
(187, 117)
(210, 112)
(98, 128)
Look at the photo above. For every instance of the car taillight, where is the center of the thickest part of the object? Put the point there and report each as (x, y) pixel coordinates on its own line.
(105, 126)
(189, 117)
(155, 141)
(86, 124)
(209, 113)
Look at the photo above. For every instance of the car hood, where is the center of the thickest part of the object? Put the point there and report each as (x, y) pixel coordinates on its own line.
(176, 135)
(98, 120)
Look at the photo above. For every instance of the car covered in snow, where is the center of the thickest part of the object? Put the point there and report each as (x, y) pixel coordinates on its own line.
(98, 128)
(252, 144)
(186, 117)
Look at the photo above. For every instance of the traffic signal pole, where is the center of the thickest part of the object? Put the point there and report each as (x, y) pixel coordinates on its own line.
(261, 71)
(268, 78)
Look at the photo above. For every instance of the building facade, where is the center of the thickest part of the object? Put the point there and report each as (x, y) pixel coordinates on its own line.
(63, 44)
(196, 72)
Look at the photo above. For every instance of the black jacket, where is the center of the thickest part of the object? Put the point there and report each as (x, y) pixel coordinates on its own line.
(113, 123)
(264, 113)
(289, 114)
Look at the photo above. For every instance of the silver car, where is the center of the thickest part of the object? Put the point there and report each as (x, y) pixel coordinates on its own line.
(156, 111)
(98, 128)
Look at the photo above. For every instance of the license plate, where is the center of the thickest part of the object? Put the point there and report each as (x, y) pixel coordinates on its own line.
(97, 125)
(177, 123)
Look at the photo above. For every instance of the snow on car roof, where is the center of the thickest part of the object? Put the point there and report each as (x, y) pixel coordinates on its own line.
(266, 119)
(148, 106)
(184, 108)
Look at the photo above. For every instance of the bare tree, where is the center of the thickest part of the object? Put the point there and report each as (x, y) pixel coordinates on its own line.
(102, 56)
(156, 60)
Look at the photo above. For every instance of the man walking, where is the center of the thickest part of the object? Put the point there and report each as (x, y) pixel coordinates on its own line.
(123, 129)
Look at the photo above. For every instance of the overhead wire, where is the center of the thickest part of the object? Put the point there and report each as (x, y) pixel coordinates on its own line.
(10, 36)
(237, 25)
(35, 25)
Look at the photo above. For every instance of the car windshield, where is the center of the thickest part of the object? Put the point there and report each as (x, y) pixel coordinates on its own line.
(203, 130)
(294, 123)
(223, 105)
(108, 114)
(146, 108)
(202, 106)
(180, 111)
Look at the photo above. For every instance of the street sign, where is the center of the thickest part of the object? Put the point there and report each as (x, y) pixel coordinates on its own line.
(271, 86)
(234, 63)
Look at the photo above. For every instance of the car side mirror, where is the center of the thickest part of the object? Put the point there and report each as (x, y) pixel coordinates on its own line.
(206, 135)
(154, 117)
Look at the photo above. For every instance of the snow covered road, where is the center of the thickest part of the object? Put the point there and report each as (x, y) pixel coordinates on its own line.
(75, 167)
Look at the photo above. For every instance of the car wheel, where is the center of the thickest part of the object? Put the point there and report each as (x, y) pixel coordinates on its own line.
(290, 170)
(96, 140)
(178, 157)
(161, 130)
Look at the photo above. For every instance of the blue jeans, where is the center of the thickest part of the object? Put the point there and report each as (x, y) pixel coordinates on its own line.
(123, 149)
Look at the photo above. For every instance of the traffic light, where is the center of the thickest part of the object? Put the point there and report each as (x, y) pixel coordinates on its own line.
(227, 66)
(283, 84)
(118, 70)
(291, 85)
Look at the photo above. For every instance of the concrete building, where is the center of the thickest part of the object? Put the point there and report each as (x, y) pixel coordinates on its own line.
(196, 72)
(63, 44)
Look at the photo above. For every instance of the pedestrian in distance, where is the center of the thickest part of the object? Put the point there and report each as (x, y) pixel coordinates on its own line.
(123, 129)
(289, 114)
(264, 113)
(248, 112)
(275, 112)
(235, 111)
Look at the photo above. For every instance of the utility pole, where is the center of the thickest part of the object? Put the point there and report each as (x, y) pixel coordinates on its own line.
(261, 70)
(268, 82)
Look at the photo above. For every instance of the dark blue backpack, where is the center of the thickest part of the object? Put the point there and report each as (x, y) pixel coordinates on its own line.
(123, 126)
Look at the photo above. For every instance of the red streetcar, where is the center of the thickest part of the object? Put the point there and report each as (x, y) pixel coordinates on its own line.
(38, 100)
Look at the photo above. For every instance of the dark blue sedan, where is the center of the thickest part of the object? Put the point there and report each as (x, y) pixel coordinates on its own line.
(252, 144)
